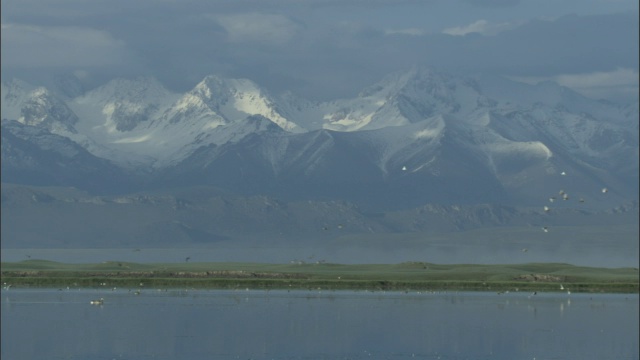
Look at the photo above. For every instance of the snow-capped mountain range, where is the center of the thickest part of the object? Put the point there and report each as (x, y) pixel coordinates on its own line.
(415, 137)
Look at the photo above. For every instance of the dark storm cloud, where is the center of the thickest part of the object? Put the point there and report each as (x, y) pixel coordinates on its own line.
(320, 48)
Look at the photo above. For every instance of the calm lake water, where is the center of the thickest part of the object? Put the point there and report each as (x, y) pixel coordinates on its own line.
(248, 324)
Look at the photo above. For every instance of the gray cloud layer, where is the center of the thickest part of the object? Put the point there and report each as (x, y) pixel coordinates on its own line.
(320, 49)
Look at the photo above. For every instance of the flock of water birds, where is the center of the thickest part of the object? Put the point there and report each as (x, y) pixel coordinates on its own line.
(565, 197)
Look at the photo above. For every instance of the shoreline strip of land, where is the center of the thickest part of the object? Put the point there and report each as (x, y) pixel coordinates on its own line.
(408, 276)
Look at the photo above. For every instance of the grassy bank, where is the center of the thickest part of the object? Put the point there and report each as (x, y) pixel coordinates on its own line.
(411, 276)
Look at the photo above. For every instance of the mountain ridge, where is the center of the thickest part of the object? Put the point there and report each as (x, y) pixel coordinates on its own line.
(415, 137)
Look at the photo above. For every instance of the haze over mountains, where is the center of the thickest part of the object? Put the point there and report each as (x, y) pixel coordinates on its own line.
(419, 139)
(421, 130)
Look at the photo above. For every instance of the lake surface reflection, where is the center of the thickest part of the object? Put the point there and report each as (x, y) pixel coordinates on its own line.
(247, 324)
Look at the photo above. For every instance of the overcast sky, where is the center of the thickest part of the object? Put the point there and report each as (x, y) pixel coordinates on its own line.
(324, 49)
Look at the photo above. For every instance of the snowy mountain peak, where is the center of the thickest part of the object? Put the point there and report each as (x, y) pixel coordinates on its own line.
(141, 89)
(41, 108)
(235, 99)
(212, 91)
(403, 98)
(422, 128)
(122, 104)
(13, 94)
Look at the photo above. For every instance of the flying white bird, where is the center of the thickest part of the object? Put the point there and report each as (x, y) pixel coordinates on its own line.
(604, 190)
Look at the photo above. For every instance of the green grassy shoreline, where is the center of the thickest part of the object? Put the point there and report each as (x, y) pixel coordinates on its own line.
(410, 276)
